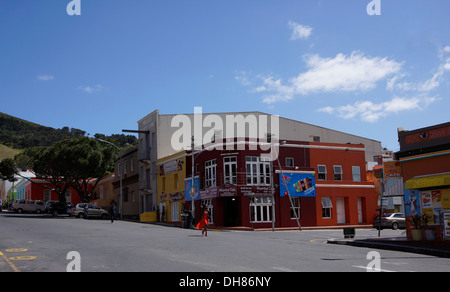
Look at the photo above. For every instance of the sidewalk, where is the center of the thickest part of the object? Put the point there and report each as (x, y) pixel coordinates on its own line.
(433, 248)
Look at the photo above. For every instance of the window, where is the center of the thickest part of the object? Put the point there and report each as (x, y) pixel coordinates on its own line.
(296, 206)
(258, 171)
(125, 166)
(132, 164)
(229, 167)
(326, 208)
(356, 170)
(289, 162)
(68, 195)
(337, 172)
(322, 172)
(47, 195)
(175, 181)
(210, 173)
(261, 209)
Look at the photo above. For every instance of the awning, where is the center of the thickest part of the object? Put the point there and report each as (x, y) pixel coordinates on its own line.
(428, 181)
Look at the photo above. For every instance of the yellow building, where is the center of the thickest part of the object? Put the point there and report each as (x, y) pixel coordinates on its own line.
(171, 176)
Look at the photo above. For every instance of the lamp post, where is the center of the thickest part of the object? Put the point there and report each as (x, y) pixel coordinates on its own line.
(287, 189)
(120, 175)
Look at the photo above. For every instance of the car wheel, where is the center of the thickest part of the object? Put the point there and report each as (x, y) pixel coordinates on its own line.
(20, 211)
(80, 215)
(104, 216)
(38, 211)
(395, 226)
(54, 213)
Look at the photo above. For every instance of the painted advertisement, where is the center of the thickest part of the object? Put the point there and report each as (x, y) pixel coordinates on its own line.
(190, 191)
(412, 203)
(298, 184)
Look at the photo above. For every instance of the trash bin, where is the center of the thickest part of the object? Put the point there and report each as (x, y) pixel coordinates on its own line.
(186, 219)
(349, 232)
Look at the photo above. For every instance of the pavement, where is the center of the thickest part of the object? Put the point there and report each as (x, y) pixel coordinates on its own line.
(433, 248)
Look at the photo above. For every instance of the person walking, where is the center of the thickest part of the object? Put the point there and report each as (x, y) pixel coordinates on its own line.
(203, 223)
(112, 212)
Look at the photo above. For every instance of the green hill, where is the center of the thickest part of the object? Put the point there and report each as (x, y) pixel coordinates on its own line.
(6, 152)
(19, 134)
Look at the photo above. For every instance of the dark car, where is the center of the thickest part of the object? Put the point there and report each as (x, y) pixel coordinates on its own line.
(56, 208)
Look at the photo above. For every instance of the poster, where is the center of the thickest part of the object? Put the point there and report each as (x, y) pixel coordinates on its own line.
(445, 199)
(412, 203)
(446, 221)
(298, 184)
(188, 187)
(426, 199)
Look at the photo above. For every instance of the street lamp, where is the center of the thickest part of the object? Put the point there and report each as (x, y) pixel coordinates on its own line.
(120, 174)
(287, 189)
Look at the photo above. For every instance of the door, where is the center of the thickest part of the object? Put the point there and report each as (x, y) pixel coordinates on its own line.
(340, 206)
(175, 215)
(360, 215)
(230, 211)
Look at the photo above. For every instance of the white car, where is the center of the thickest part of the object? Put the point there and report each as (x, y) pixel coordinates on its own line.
(21, 206)
(92, 211)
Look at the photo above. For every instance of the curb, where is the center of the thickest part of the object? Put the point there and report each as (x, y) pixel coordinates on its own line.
(398, 246)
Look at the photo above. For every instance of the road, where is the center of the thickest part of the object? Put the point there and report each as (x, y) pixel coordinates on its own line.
(30, 243)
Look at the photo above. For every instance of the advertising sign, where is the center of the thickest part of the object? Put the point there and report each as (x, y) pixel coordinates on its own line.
(446, 223)
(190, 191)
(392, 169)
(298, 184)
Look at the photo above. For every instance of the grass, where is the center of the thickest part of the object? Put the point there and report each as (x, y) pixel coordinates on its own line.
(6, 152)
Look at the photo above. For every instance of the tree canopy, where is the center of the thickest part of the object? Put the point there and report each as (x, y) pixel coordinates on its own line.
(75, 162)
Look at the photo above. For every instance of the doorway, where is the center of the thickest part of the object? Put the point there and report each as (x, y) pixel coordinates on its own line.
(231, 211)
(340, 206)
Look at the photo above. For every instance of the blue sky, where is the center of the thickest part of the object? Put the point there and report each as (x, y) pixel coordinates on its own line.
(323, 62)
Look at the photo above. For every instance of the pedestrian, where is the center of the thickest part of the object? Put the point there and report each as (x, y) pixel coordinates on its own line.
(203, 223)
(112, 212)
(86, 211)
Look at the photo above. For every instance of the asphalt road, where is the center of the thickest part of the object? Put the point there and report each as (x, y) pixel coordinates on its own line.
(40, 243)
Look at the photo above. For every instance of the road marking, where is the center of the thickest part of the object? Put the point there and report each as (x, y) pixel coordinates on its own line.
(16, 250)
(10, 263)
(20, 258)
(283, 269)
(375, 269)
(321, 240)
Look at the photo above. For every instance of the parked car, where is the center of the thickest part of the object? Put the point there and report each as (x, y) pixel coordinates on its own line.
(390, 220)
(92, 211)
(21, 206)
(56, 208)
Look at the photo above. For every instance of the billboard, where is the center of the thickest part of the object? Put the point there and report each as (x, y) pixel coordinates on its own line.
(298, 184)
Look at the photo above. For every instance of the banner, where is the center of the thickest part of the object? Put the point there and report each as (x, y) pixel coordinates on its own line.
(190, 192)
(298, 184)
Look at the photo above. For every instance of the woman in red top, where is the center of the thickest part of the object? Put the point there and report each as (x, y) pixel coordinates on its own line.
(203, 224)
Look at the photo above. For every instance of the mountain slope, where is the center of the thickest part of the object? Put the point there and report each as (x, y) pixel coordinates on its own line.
(21, 134)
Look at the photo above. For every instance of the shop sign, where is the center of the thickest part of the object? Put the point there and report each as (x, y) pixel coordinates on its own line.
(170, 167)
(298, 184)
(392, 169)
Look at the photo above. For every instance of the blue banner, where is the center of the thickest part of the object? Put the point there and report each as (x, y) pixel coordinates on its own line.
(298, 184)
(188, 187)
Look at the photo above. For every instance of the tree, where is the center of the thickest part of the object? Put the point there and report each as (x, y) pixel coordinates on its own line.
(47, 165)
(7, 169)
(85, 162)
(75, 162)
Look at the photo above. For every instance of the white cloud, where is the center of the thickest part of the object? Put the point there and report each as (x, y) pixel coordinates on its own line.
(91, 89)
(45, 77)
(354, 72)
(299, 31)
(368, 111)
